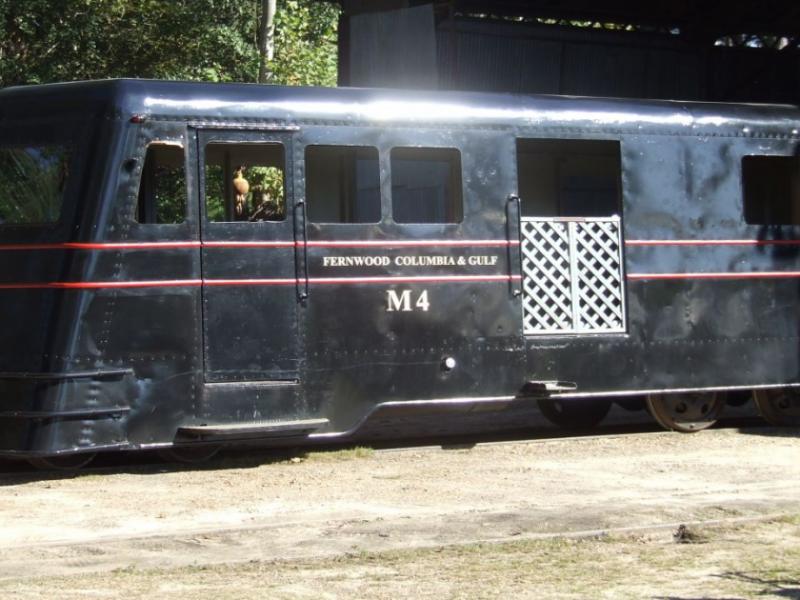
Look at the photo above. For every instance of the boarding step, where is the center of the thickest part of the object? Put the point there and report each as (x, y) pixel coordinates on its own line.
(545, 388)
(252, 430)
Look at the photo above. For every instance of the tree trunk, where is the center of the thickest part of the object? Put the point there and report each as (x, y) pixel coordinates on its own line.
(266, 39)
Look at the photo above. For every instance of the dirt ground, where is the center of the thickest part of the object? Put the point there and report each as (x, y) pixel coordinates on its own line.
(556, 518)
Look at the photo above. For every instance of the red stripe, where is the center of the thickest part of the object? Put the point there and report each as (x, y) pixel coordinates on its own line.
(129, 245)
(751, 275)
(91, 285)
(102, 246)
(359, 244)
(407, 243)
(278, 244)
(225, 282)
(88, 285)
(259, 244)
(712, 242)
(415, 279)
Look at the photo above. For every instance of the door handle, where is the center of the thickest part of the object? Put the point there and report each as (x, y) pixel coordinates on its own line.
(513, 213)
(301, 250)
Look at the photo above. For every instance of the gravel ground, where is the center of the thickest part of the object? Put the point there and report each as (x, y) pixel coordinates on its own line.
(288, 509)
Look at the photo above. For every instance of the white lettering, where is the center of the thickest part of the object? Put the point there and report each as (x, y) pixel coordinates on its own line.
(425, 261)
(482, 260)
(356, 261)
(422, 301)
(402, 302)
(398, 303)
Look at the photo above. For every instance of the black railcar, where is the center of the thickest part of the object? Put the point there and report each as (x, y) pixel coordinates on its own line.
(186, 264)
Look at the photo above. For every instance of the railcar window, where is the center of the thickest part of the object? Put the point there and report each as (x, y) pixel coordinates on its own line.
(569, 178)
(32, 183)
(343, 184)
(245, 182)
(771, 187)
(162, 188)
(426, 185)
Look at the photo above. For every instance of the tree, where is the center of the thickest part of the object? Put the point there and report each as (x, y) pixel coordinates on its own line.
(266, 39)
(209, 40)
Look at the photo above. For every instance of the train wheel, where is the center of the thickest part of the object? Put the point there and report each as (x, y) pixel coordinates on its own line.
(574, 413)
(686, 412)
(194, 453)
(65, 462)
(779, 407)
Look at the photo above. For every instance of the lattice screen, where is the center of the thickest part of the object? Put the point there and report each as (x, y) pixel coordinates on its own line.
(572, 276)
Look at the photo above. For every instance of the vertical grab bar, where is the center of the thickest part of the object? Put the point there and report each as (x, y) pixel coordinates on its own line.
(513, 212)
(301, 249)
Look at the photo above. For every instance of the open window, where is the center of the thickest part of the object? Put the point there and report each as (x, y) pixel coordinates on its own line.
(569, 178)
(771, 186)
(245, 182)
(343, 184)
(426, 185)
(162, 188)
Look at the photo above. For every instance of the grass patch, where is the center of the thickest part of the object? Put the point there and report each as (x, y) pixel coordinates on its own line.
(758, 559)
(355, 453)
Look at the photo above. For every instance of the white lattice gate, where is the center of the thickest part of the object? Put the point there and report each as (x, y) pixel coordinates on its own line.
(572, 279)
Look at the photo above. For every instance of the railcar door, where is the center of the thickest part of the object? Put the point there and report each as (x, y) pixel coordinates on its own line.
(248, 233)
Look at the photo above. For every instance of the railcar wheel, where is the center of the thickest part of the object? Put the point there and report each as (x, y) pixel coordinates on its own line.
(194, 453)
(779, 407)
(579, 413)
(64, 462)
(686, 412)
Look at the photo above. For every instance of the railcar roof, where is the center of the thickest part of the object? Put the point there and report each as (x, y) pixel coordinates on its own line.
(121, 98)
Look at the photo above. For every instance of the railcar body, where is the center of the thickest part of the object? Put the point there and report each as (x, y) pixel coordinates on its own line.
(186, 263)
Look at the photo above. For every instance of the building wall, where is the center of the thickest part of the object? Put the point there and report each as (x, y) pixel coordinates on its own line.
(410, 48)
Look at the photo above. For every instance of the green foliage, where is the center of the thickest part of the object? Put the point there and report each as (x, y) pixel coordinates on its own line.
(210, 40)
(32, 180)
(305, 43)
(215, 193)
(267, 188)
(170, 197)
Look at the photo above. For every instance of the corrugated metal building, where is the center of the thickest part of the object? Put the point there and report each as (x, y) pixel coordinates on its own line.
(702, 50)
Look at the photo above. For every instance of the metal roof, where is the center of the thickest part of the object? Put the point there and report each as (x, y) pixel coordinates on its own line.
(207, 102)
